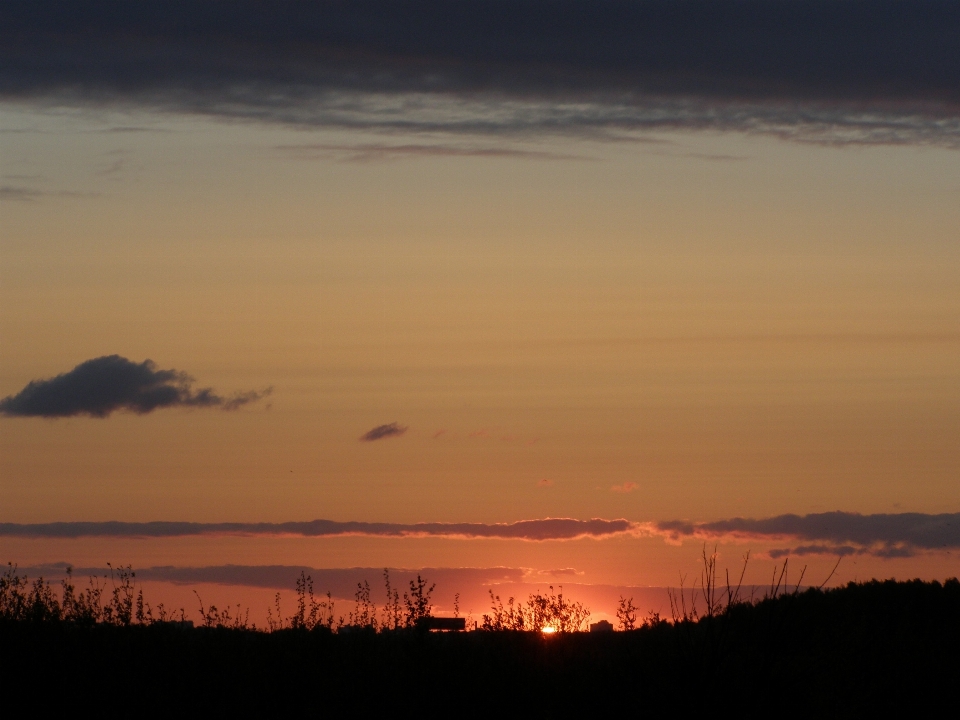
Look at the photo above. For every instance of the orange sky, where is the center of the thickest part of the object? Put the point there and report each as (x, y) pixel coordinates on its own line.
(698, 326)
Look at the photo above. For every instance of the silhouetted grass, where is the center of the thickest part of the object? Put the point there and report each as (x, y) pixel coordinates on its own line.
(830, 652)
(541, 611)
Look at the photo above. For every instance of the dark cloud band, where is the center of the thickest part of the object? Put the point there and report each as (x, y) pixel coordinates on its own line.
(836, 533)
(833, 533)
(828, 70)
(106, 384)
(547, 529)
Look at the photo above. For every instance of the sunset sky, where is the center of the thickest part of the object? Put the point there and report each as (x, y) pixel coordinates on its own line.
(682, 267)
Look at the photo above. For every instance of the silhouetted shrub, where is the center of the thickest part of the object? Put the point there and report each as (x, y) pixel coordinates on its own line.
(830, 652)
(541, 611)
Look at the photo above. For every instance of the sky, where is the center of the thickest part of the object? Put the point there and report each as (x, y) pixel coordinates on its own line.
(514, 292)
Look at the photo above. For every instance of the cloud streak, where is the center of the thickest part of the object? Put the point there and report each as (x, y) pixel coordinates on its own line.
(830, 71)
(383, 431)
(470, 586)
(341, 582)
(22, 194)
(19, 193)
(110, 383)
(384, 152)
(538, 530)
(834, 533)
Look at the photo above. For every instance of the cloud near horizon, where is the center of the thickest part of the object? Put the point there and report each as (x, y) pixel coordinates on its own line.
(830, 533)
(341, 582)
(833, 533)
(472, 584)
(536, 530)
(830, 71)
(110, 383)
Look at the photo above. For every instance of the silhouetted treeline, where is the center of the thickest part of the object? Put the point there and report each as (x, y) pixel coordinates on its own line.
(831, 652)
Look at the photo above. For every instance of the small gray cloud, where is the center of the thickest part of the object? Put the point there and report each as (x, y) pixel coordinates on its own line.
(383, 431)
(107, 384)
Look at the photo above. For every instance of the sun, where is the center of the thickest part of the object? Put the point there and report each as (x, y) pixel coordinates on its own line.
(548, 630)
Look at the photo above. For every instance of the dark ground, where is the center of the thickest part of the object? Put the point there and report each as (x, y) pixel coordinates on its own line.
(854, 651)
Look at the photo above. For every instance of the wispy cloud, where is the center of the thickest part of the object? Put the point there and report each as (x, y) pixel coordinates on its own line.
(16, 192)
(381, 152)
(118, 162)
(23, 193)
(130, 129)
(383, 431)
(833, 533)
(859, 71)
(107, 384)
(626, 487)
(560, 572)
(545, 529)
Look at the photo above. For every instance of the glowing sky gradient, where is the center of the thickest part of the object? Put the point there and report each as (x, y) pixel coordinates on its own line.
(442, 275)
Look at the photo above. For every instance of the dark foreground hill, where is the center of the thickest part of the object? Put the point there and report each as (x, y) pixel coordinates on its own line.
(837, 652)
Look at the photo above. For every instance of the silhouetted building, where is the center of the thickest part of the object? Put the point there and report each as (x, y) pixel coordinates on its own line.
(601, 626)
(441, 623)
